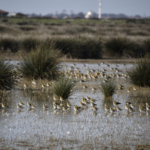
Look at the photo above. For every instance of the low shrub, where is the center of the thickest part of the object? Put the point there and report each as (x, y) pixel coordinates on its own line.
(29, 44)
(122, 47)
(134, 49)
(22, 23)
(27, 28)
(9, 44)
(146, 45)
(115, 46)
(79, 47)
(2, 29)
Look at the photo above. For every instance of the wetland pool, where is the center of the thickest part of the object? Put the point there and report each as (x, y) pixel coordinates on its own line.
(66, 130)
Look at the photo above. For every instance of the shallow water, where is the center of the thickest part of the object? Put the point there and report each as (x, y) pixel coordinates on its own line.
(49, 129)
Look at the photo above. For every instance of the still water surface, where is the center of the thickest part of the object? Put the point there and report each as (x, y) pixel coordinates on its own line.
(49, 129)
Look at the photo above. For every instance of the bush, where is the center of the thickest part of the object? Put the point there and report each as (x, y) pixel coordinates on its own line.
(108, 88)
(134, 50)
(63, 88)
(8, 43)
(41, 63)
(79, 47)
(27, 28)
(4, 20)
(115, 46)
(7, 81)
(22, 23)
(119, 47)
(29, 44)
(2, 29)
(146, 45)
(140, 74)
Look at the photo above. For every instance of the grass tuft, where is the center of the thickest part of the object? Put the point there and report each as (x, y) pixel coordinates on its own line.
(108, 88)
(63, 87)
(7, 81)
(41, 63)
(140, 74)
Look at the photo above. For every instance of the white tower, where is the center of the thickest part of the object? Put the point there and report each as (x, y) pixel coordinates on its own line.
(99, 11)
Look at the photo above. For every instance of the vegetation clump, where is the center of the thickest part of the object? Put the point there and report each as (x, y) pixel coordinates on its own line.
(80, 47)
(9, 44)
(29, 44)
(7, 81)
(146, 45)
(108, 88)
(41, 63)
(140, 74)
(63, 87)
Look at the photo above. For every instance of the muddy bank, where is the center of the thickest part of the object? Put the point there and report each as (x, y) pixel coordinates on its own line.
(18, 56)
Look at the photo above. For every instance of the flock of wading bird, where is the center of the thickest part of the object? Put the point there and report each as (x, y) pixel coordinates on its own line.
(58, 104)
(73, 72)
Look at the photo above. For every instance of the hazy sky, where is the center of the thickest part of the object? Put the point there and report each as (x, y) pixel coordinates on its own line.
(128, 7)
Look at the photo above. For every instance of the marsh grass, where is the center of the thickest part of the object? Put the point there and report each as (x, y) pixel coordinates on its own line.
(141, 96)
(23, 32)
(9, 44)
(37, 95)
(41, 63)
(7, 81)
(63, 87)
(146, 45)
(108, 88)
(3, 29)
(30, 43)
(122, 47)
(140, 74)
(108, 101)
(80, 47)
(115, 46)
(27, 28)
